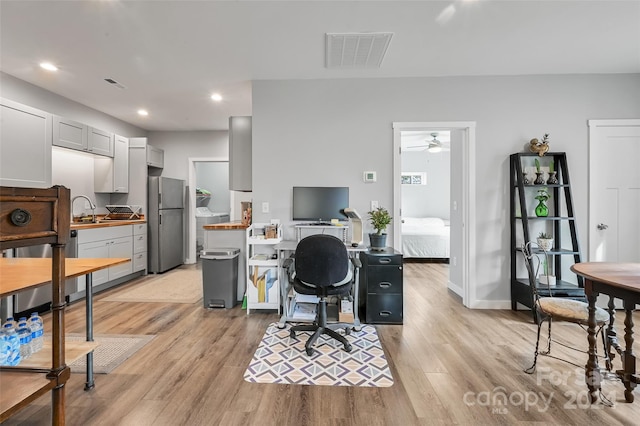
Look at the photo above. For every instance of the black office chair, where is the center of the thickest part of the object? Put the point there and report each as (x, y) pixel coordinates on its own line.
(323, 268)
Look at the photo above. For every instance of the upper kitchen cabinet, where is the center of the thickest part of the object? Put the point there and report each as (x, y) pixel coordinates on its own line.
(240, 153)
(74, 135)
(25, 146)
(155, 157)
(112, 174)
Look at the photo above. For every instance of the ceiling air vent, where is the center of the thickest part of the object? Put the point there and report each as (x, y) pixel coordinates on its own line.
(356, 50)
(114, 83)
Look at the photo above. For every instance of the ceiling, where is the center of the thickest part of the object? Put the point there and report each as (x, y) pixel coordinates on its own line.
(172, 55)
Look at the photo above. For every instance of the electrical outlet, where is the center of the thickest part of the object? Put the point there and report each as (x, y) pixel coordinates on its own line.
(265, 207)
(374, 205)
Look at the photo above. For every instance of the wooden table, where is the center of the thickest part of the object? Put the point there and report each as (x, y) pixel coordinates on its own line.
(17, 274)
(621, 281)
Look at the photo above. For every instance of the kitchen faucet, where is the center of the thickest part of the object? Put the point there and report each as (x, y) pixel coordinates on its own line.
(91, 205)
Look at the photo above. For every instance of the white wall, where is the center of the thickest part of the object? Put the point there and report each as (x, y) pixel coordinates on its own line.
(327, 132)
(180, 146)
(432, 199)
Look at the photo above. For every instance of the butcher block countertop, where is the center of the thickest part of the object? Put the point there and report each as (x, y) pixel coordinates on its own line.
(105, 223)
(225, 226)
(21, 273)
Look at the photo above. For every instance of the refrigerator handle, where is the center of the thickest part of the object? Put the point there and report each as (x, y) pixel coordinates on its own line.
(159, 218)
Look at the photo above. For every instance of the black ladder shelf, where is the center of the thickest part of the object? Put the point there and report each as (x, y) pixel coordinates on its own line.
(525, 226)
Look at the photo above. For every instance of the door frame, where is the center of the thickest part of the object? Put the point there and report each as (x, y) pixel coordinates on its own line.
(191, 207)
(468, 227)
(595, 127)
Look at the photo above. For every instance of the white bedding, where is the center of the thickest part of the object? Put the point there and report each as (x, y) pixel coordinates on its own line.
(425, 237)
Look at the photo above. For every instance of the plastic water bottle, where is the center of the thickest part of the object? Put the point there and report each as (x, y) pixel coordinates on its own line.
(4, 348)
(24, 333)
(11, 322)
(13, 343)
(37, 332)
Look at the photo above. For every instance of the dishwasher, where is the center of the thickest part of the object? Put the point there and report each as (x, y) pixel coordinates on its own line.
(39, 299)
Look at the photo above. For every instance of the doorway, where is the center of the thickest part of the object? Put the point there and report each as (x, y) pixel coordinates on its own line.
(462, 200)
(197, 196)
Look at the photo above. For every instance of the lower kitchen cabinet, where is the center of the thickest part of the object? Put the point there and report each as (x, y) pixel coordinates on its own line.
(139, 247)
(114, 241)
(381, 287)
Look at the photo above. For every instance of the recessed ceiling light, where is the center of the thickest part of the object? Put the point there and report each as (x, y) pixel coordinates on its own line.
(216, 97)
(48, 66)
(143, 112)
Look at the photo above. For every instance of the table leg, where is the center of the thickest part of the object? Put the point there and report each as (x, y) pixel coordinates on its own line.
(89, 384)
(611, 340)
(628, 357)
(592, 372)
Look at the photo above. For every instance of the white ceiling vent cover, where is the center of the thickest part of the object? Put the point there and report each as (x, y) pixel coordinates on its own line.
(356, 50)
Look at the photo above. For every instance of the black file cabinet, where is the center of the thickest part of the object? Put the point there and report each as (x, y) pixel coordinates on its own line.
(381, 287)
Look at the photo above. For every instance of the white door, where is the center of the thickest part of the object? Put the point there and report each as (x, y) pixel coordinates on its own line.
(614, 191)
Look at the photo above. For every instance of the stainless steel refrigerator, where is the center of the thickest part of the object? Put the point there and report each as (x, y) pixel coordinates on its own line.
(166, 223)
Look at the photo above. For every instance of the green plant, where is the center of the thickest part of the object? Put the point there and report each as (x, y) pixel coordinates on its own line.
(545, 236)
(543, 195)
(380, 219)
(551, 167)
(537, 165)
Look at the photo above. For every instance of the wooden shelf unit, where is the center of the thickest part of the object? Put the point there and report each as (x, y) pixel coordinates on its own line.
(30, 216)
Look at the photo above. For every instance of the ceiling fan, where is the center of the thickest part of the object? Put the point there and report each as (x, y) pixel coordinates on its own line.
(433, 146)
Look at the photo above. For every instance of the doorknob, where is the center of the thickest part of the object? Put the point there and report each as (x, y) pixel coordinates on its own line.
(602, 226)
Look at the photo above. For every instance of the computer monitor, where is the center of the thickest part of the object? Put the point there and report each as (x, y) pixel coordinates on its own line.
(320, 203)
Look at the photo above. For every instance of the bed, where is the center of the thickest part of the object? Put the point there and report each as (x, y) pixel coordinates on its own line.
(425, 237)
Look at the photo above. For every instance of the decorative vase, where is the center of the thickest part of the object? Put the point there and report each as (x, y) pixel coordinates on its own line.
(525, 179)
(539, 179)
(553, 178)
(378, 242)
(541, 209)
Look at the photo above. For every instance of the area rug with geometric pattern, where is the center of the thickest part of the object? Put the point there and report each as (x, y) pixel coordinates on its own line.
(283, 359)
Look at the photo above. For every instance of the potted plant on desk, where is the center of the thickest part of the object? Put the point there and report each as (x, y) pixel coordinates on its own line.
(380, 219)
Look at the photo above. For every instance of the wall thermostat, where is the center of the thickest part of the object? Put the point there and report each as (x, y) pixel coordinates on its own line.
(369, 176)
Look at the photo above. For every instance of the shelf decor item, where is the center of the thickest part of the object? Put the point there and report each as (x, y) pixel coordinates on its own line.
(545, 241)
(539, 175)
(553, 175)
(380, 219)
(541, 209)
(540, 147)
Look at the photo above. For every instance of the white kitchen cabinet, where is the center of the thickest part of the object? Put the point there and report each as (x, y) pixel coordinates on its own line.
(155, 157)
(113, 241)
(25, 146)
(100, 142)
(139, 247)
(240, 152)
(70, 134)
(112, 174)
(75, 135)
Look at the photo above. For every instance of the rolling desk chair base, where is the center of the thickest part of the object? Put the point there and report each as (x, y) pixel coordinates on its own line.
(320, 327)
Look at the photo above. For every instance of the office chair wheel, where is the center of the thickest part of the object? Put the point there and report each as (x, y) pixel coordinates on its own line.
(292, 334)
(347, 331)
(309, 351)
(347, 347)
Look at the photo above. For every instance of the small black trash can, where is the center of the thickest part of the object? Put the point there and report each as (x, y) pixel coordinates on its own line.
(220, 277)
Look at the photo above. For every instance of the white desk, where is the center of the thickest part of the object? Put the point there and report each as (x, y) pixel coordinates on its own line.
(321, 229)
(289, 246)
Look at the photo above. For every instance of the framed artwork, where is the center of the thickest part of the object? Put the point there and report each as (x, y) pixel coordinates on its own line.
(413, 178)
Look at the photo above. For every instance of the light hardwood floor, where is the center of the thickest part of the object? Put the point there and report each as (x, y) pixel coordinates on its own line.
(450, 366)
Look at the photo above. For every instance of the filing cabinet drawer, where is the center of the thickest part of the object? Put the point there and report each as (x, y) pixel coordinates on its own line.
(383, 259)
(385, 309)
(385, 279)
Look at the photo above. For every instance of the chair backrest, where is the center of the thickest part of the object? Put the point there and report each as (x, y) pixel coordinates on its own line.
(535, 257)
(321, 260)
